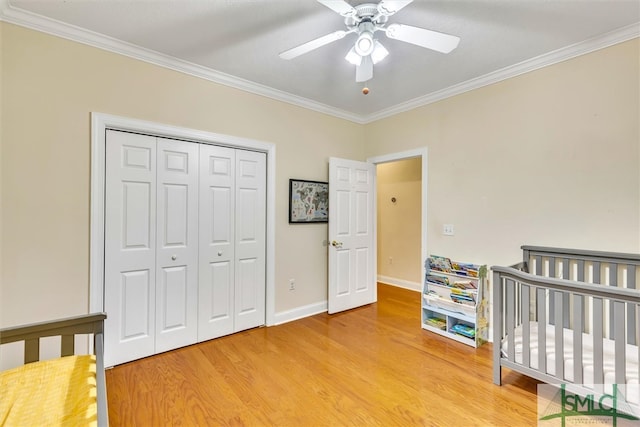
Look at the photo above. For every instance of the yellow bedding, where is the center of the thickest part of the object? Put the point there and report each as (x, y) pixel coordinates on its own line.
(58, 392)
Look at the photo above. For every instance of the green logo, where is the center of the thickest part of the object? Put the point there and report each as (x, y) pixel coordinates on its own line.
(569, 405)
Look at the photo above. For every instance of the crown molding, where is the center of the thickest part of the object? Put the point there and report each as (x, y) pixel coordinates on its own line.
(43, 24)
(590, 45)
(57, 28)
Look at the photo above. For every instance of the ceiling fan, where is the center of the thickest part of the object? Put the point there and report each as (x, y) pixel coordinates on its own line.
(365, 20)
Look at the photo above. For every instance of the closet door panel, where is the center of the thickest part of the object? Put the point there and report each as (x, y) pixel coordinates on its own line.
(217, 245)
(177, 239)
(250, 239)
(220, 274)
(135, 292)
(130, 247)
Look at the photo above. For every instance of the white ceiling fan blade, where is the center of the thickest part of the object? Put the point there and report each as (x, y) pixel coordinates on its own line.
(339, 6)
(389, 7)
(434, 40)
(364, 71)
(313, 44)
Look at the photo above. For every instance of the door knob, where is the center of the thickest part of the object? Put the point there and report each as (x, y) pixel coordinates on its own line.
(174, 257)
(336, 244)
(219, 253)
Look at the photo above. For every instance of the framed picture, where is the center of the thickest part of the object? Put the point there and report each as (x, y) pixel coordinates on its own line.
(308, 201)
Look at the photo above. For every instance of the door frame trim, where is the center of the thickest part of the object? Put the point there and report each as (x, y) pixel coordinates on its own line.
(100, 122)
(404, 155)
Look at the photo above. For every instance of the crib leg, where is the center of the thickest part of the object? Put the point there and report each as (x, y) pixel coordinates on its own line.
(497, 373)
(497, 327)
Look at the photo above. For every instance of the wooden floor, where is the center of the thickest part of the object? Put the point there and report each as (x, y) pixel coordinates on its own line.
(371, 366)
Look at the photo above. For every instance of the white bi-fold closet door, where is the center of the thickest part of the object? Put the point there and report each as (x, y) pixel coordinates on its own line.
(184, 243)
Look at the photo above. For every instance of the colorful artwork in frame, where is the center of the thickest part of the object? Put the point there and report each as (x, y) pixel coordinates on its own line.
(308, 201)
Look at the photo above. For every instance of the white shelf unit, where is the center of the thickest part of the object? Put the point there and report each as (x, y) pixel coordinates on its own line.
(447, 281)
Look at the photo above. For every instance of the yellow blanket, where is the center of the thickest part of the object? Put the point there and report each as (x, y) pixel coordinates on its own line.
(58, 392)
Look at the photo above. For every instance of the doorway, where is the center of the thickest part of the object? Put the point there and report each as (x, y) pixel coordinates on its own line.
(401, 196)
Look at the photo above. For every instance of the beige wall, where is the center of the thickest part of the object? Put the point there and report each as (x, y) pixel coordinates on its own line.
(50, 87)
(550, 157)
(399, 223)
(547, 158)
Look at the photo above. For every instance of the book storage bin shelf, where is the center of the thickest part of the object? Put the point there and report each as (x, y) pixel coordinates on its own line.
(455, 300)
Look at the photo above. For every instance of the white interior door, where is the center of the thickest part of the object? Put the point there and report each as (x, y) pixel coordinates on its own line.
(250, 286)
(177, 244)
(217, 242)
(130, 243)
(352, 247)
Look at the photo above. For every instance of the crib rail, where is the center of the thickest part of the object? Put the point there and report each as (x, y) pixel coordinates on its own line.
(587, 255)
(91, 324)
(65, 328)
(515, 291)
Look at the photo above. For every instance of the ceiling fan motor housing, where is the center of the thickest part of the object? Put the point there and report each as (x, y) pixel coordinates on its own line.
(365, 12)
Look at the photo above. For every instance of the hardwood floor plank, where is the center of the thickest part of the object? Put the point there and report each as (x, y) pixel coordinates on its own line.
(370, 366)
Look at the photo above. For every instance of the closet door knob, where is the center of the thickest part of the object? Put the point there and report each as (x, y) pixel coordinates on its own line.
(174, 257)
(219, 253)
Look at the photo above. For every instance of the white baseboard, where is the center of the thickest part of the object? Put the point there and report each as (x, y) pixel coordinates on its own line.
(321, 307)
(299, 313)
(413, 286)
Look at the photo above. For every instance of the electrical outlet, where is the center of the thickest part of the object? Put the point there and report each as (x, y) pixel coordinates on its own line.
(292, 284)
(447, 230)
(390, 260)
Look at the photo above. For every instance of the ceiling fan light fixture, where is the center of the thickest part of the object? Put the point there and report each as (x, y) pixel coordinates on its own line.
(367, 19)
(379, 52)
(353, 57)
(364, 45)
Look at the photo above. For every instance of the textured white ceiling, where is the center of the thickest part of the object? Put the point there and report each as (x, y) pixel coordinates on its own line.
(242, 38)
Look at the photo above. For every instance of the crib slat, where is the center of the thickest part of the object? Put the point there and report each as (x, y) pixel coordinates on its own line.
(538, 261)
(31, 350)
(596, 272)
(559, 338)
(542, 332)
(67, 346)
(518, 292)
(566, 268)
(566, 274)
(552, 267)
(620, 344)
(498, 327)
(511, 349)
(578, 327)
(552, 301)
(598, 377)
(596, 279)
(581, 264)
(631, 309)
(613, 281)
(526, 330)
(581, 278)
